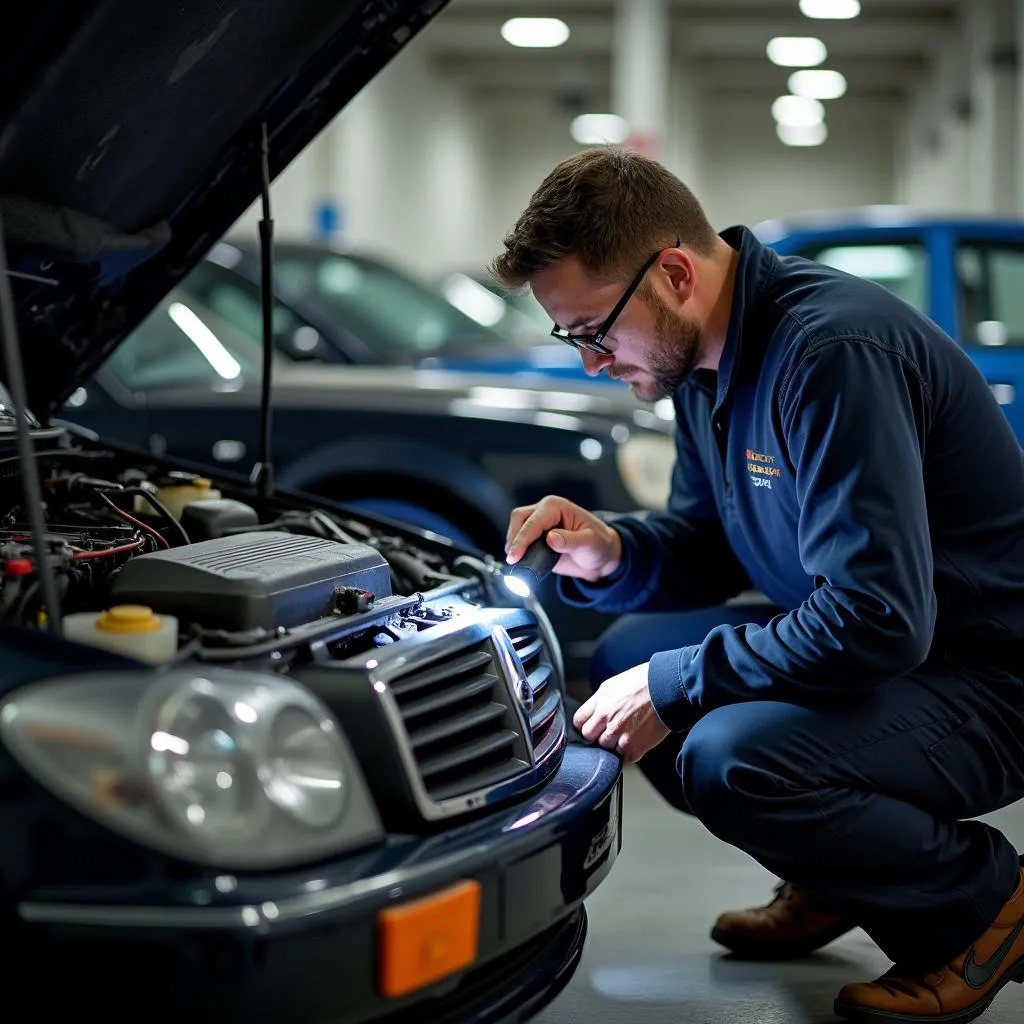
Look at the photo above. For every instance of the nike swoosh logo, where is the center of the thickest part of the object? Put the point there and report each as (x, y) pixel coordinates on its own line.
(979, 975)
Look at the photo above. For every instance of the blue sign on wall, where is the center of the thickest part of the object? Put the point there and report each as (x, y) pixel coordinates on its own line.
(328, 220)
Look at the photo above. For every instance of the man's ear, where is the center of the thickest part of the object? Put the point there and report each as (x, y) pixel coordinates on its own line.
(679, 272)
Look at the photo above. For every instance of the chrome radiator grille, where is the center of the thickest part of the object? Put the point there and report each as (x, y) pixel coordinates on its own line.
(529, 647)
(462, 722)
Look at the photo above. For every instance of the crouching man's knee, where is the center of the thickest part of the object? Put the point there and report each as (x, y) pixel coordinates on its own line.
(726, 779)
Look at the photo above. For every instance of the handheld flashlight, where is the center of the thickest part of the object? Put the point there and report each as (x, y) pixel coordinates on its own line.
(532, 569)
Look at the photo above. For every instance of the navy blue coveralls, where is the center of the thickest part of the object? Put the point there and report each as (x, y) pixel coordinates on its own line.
(849, 461)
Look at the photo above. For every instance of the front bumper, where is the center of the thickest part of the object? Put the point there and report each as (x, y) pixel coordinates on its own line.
(304, 946)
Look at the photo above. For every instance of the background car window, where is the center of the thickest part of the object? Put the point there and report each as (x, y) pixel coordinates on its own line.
(181, 342)
(902, 267)
(395, 315)
(517, 315)
(990, 281)
(236, 300)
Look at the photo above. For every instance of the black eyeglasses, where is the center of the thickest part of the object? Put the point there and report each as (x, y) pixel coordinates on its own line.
(595, 342)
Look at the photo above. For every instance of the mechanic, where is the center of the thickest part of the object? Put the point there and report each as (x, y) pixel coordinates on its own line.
(840, 454)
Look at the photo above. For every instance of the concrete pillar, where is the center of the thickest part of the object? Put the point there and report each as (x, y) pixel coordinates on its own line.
(682, 148)
(640, 72)
(993, 136)
(934, 153)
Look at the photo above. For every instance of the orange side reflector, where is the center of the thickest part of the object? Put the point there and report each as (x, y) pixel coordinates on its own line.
(428, 939)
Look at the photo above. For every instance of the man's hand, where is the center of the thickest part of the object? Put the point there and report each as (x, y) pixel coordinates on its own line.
(590, 549)
(621, 717)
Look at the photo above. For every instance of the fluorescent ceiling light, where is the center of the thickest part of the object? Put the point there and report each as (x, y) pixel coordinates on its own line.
(598, 129)
(835, 9)
(798, 111)
(817, 85)
(796, 51)
(536, 32)
(803, 134)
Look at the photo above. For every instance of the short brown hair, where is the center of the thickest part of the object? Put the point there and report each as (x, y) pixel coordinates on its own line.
(610, 208)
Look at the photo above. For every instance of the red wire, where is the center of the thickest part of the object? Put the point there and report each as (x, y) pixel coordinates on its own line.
(136, 522)
(81, 556)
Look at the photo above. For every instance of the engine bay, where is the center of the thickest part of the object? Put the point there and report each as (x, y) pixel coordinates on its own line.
(447, 685)
(141, 551)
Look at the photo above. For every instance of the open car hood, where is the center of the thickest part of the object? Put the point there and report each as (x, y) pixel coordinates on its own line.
(130, 141)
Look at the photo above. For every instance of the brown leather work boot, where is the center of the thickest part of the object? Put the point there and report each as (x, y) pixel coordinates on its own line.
(953, 994)
(791, 926)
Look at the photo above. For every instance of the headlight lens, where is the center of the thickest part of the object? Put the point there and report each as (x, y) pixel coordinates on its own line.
(203, 770)
(231, 768)
(646, 462)
(305, 778)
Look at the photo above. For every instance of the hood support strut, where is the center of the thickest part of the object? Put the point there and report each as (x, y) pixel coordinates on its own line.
(263, 471)
(31, 487)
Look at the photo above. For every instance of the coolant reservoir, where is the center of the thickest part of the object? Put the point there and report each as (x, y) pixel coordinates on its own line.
(177, 496)
(130, 629)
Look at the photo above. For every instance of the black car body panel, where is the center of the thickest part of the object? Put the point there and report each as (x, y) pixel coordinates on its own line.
(302, 942)
(159, 109)
(165, 849)
(299, 944)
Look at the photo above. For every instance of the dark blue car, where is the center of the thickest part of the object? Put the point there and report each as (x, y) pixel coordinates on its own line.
(349, 308)
(966, 273)
(262, 758)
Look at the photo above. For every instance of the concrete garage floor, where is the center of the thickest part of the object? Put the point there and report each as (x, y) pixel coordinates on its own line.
(649, 956)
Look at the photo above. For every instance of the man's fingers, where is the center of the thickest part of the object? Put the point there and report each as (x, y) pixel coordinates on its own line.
(543, 517)
(594, 727)
(583, 712)
(515, 523)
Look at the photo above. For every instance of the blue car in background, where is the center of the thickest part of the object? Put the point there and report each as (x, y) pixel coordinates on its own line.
(349, 308)
(966, 273)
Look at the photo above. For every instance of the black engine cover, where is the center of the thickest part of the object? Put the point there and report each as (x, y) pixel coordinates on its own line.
(251, 579)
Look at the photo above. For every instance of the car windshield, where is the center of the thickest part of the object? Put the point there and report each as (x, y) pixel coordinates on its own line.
(391, 312)
(182, 342)
(517, 315)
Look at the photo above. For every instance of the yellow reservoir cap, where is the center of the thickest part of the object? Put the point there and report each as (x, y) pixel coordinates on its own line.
(128, 618)
(199, 484)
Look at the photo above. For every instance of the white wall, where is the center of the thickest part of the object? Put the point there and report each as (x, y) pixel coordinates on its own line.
(748, 175)
(731, 157)
(958, 144)
(434, 179)
(404, 163)
(523, 142)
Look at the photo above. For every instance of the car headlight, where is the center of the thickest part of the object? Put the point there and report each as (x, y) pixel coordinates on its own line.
(645, 464)
(235, 769)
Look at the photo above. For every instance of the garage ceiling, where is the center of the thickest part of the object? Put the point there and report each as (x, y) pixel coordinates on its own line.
(882, 52)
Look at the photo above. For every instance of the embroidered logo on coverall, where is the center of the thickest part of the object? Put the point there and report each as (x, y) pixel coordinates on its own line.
(762, 469)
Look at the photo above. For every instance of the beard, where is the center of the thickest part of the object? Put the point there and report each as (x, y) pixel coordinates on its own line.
(671, 357)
